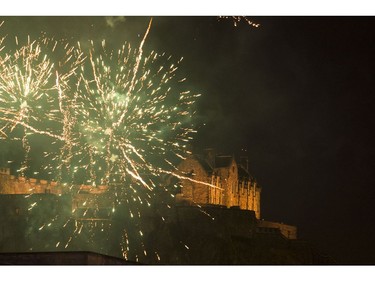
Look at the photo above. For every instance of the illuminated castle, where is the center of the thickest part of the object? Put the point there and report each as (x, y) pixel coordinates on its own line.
(216, 212)
(230, 183)
(222, 181)
(215, 219)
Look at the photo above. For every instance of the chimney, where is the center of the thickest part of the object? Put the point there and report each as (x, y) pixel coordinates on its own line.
(209, 155)
(244, 162)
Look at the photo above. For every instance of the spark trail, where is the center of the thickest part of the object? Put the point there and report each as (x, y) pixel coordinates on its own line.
(127, 118)
(115, 119)
(28, 91)
(237, 19)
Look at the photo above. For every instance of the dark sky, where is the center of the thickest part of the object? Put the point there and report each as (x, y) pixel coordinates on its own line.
(297, 93)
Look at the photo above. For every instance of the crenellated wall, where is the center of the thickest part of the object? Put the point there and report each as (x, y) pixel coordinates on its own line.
(10, 184)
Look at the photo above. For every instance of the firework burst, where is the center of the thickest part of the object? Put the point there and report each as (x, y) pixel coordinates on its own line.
(115, 122)
(28, 92)
(129, 126)
(128, 119)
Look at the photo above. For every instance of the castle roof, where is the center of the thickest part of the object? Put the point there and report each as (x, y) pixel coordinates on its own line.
(203, 162)
(222, 161)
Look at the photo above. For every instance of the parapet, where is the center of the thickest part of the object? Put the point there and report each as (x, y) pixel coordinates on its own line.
(5, 171)
(10, 184)
(288, 231)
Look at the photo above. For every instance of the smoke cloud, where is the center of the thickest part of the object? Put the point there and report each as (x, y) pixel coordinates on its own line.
(113, 21)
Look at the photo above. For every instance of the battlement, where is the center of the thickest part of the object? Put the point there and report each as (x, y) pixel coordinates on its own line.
(10, 184)
(4, 171)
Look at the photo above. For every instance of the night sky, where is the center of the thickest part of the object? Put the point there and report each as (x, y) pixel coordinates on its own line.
(297, 94)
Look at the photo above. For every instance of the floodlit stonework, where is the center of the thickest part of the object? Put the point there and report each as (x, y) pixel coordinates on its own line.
(219, 180)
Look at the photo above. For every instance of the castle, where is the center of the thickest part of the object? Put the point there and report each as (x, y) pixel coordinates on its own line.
(222, 181)
(208, 180)
(215, 219)
(230, 183)
(218, 184)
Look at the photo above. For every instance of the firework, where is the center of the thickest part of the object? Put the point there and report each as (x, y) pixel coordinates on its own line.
(237, 19)
(127, 116)
(129, 126)
(28, 92)
(114, 122)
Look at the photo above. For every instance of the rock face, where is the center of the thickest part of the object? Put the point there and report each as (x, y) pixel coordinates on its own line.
(221, 236)
(166, 234)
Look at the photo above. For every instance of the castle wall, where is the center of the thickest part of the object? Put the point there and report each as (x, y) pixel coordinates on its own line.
(196, 192)
(229, 176)
(256, 200)
(249, 198)
(230, 191)
(215, 195)
(289, 231)
(10, 184)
